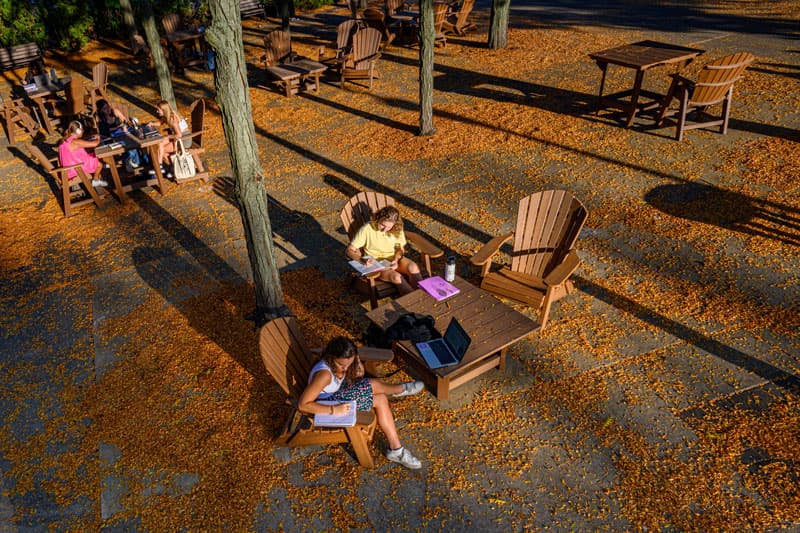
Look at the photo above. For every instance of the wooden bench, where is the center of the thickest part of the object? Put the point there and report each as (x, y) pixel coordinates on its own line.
(21, 55)
(252, 8)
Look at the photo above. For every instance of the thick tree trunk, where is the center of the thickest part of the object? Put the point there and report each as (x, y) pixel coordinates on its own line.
(160, 62)
(426, 44)
(498, 24)
(233, 96)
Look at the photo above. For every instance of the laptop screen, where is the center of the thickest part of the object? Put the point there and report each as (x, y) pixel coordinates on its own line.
(457, 338)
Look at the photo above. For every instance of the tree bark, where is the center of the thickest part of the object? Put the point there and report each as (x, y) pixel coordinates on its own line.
(233, 96)
(426, 45)
(160, 62)
(498, 24)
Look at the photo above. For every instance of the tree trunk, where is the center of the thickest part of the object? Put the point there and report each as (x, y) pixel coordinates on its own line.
(285, 11)
(128, 21)
(426, 44)
(160, 62)
(233, 96)
(498, 24)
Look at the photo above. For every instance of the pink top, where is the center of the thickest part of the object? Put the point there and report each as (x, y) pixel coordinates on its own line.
(68, 157)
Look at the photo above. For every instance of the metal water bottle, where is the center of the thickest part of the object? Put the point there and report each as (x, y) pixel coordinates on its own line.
(450, 269)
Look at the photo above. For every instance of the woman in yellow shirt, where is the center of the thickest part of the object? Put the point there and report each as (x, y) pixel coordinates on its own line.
(383, 238)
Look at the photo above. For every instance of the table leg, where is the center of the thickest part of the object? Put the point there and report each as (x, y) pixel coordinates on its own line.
(604, 68)
(46, 124)
(109, 160)
(637, 88)
(152, 150)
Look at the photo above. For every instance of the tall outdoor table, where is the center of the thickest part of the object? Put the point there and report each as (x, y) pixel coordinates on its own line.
(640, 56)
(492, 325)
(121, 144)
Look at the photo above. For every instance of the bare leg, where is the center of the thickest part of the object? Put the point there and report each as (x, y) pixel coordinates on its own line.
(381, 387)
(393, 276)
(410, 269)
(386, 420)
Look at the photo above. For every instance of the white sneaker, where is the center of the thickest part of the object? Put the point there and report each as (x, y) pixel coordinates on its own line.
(404, 457)
(99, 183)
(409, 389)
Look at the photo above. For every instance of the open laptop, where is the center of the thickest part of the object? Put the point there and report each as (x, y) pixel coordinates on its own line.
(447, 351)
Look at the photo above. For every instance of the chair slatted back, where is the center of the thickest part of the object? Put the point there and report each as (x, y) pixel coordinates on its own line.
(344, 35)
(717, 77)
(286, 356)
(100, 76)
(374, 18)
(366, 44)
(439, 15)
(198, 112)
(277, 46)
(73, 94)
(463, 12)
(171, 23)
(358, 210)
(548, 224)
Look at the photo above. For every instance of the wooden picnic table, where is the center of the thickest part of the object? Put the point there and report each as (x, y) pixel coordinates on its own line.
(39, 97)
(640, 56)
(492, 325)
(121, 144)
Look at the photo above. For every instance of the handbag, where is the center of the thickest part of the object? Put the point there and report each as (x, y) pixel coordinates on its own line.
(182, 163)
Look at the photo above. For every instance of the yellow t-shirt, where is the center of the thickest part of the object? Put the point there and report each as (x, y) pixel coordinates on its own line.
(377, 244)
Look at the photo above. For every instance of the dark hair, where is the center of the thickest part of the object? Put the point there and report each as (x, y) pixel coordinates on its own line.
(341, 348)
(389, 213)
(101, 104)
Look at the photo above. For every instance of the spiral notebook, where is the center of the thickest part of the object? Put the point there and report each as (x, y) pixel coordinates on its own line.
(438, 288)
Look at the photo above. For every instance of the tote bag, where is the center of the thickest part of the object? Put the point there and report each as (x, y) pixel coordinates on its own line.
(182, 163)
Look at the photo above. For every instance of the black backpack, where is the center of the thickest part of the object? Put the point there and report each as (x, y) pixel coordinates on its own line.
(410, 326)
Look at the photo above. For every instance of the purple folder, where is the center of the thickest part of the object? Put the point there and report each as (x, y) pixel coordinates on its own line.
(438, 288)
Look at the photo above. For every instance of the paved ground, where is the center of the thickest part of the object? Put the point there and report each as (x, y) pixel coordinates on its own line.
(645, 404)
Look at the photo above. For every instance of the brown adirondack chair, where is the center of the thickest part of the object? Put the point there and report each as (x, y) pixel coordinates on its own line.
(69, 199)
(714, 85)
(186, 48)
(73, 106)
(357, 212)
(198, 112)
(456, 21)
(16, 116)
(359, 63)
(344, 41)
(440, 10)
(548, 223)
(277, 51)
(97, 90)
(375, 18)
(289, 361)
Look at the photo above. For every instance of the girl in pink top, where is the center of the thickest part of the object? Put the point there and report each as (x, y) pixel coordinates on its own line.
(72, 151)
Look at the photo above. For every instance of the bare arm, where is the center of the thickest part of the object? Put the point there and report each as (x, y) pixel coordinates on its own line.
(354, 253)
(84, 143)
(308, 400)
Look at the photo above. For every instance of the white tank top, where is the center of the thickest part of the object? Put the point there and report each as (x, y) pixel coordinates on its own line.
(333, 386)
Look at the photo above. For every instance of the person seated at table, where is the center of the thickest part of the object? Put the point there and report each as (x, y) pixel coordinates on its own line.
(72, 151)
(339, 376)
(176, 127)
(383, 238)
(109, 119)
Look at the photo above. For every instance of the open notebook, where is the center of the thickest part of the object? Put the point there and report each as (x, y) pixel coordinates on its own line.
(336, 421)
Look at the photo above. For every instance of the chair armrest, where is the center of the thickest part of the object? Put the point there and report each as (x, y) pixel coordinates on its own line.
(564, 270)
(483, 258)
(423, 245)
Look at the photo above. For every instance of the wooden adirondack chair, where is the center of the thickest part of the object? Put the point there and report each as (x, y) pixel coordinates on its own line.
(714, 85)
(288, 360)
(73, 106)
(548, 223)
(16, 116)
(359, 64)
(277, 51)
(344, 41)
(440, 10)
(186, 48)
(357, 212)
(197, 112)
(374, 18)
(97, 90)
(69, 198)
(456, 21)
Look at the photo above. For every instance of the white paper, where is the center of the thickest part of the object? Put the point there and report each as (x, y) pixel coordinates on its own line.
(363, 269)
(338, 421)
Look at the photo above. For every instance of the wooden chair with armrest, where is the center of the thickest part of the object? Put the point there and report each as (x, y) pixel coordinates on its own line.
(16, 116)
(289, 361)
(357, 212)
(70, 199)
(97, 89)
(197, 112)
(360, 63)
(548, 224)
(344, 41)
(456, 21)
(714, 85)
